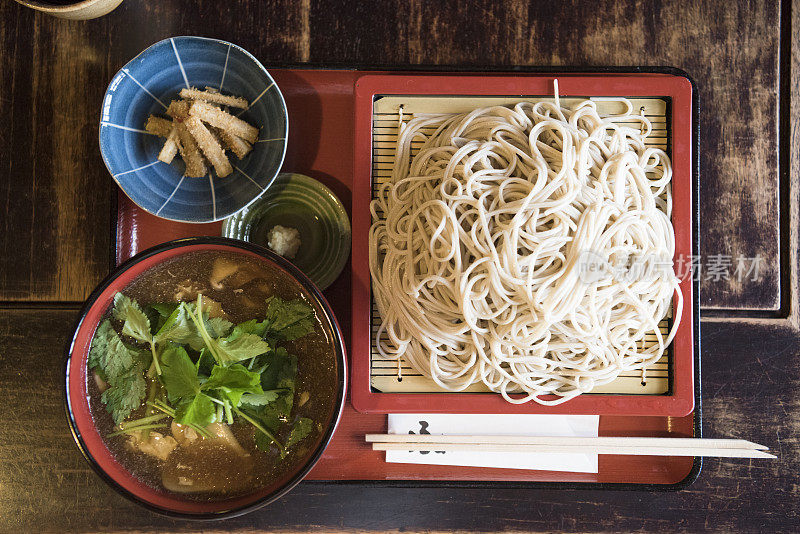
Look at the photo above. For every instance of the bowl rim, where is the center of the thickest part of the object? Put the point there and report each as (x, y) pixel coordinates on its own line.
(339, 348)
(47, 7)
(258, 64)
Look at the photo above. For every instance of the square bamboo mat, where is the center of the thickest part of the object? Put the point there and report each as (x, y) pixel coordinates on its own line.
(389, 376)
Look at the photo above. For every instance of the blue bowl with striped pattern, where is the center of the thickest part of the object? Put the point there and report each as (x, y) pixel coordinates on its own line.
(146, 85)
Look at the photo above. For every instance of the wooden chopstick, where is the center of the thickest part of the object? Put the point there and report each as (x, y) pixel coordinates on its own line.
(573, 449)
(638, 446)
(567, 440)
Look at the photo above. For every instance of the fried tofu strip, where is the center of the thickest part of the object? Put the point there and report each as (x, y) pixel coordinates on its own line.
(179, 109)
(224, 121)
(158, 126)
(215, 97)
(210, 147)
(236, 144)
(171, 146)
(195, 166)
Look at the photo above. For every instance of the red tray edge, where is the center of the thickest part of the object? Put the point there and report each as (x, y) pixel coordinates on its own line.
(679, 89)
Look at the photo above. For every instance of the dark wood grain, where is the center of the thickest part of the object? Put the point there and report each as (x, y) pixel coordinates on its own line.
(56, 192)
(739, 158)
(793, 120)
(752, 390)
(55, 239)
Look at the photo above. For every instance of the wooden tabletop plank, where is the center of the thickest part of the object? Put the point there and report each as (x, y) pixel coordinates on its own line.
(55, 194)
(751, 389)
(55, 235)
(58, 249)
(731, 50)
(793, 120)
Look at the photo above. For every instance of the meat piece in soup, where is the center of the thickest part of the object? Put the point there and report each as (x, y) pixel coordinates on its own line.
(212, 375)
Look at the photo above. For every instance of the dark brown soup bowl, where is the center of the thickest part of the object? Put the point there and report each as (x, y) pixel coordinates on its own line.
(79, 415)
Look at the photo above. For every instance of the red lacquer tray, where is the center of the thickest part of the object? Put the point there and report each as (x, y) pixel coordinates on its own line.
(321, 140)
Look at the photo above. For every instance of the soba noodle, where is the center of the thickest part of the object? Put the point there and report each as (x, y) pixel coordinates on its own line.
(528, 248)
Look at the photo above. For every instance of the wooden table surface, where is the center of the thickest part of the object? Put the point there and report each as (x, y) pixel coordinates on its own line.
(56, 240)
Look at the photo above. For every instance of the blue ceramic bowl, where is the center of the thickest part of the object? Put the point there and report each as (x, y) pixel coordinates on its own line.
(146, 85)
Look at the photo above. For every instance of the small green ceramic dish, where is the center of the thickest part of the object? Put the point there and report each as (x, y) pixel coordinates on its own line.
(300, 202)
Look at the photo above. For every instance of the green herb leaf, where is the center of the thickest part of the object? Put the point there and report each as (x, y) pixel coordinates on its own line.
(302, 428)
(280, 374)
(238, 346)
(263, 441)
(125, 393)
(155, 319)
(258, 328)
(281, 367)
(217, 326)
(263, 437)
(178, 374)
(165, 309)
(205, 362)
(158, 314)
(272, 408)
(179, 327)
(232, 382)
(137, 325)
(122, 368)
(260, 399)
(289, 320)
(265, 385)
(234, 377)
(278, 364)
(199, 411)
(104, 335)
(111, 356)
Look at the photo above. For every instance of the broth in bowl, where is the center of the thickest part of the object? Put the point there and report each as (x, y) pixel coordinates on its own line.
(212, 376)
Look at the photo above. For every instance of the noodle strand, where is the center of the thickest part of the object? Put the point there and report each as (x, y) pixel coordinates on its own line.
(527, 248)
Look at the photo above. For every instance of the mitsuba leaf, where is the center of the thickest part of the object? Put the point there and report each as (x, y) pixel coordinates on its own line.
(104, 335)
(235, 376)
(280, 367)
(239, 346)
(198, 411)
(276, 413)
(260, 399)
(217, 326)
(158, 314)
(272, 409)
(197, 386)
(233, 396)
(279, 375)
(111, 356)
(289, 319)
(154, 318)
(263, 442)
(179, 327)
(165, 309)
(205, 362)
(136, 324)
(125, 393)
(232, 382)
(257, 328)
(122, 367)
(302, 428)
(178, 374)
